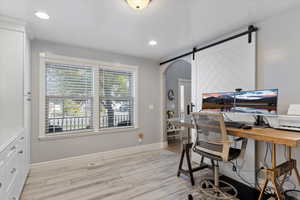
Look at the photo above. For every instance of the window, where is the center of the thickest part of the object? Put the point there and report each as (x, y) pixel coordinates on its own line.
(116, 98)
(77, 97)
(68, 98)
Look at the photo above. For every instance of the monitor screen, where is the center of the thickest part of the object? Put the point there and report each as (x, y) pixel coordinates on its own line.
(256, 102)
(218, 102)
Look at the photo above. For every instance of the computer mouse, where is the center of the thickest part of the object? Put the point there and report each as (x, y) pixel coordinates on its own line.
(247, 127)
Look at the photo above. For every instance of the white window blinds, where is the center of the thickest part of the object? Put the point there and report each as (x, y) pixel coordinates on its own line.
(69, 98)
(79, 97)
(116, 98)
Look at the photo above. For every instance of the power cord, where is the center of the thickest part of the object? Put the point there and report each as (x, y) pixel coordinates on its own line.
(237, 169)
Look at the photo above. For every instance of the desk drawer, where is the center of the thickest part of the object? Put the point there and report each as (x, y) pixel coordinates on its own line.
(11, 152)
(3, 157)
(7, 153)
(10, 172)
(12, 169)
(13, 193)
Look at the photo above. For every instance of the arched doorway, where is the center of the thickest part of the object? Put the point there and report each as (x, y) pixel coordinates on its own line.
(177, 95)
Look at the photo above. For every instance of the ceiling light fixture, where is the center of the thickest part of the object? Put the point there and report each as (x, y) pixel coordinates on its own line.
(42, 15)
(152, 43)
(138, 4)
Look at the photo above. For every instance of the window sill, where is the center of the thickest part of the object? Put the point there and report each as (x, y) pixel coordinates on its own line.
(84, 133)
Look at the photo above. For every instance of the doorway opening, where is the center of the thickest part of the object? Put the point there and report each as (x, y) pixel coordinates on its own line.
(178, 97)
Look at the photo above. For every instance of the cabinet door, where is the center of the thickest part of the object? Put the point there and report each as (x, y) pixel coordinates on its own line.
(27, 68)
(11, 80)
(27, 98)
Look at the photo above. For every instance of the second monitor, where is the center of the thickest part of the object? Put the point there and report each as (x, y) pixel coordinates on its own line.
(255, 102)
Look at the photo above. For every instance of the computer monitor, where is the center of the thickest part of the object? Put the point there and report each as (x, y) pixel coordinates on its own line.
(256, 102)
(218, 102)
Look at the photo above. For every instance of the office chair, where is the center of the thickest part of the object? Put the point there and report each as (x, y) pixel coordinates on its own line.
(212, 142)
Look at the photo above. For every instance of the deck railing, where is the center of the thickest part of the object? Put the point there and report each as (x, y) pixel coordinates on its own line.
(66, 124)
(115, 121)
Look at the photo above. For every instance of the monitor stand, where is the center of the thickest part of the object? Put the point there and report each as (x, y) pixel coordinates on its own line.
(260, 121)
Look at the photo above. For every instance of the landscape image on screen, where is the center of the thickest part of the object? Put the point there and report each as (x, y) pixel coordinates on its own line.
(218, 102)
(259, 101)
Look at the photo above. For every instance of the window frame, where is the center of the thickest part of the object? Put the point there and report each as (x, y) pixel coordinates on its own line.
(96, 66)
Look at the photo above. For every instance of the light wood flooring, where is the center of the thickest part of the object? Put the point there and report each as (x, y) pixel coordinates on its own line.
(175, 147)
(139, 176)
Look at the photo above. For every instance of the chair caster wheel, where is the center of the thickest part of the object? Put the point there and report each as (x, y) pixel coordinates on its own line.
(190, 197)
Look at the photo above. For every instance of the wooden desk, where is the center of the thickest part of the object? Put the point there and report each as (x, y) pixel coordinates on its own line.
(276, 137)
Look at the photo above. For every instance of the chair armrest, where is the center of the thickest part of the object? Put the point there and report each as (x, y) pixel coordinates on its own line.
(221, 142)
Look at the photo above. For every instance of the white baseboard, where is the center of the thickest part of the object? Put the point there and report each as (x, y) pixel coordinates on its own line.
(164, 145)
(105, 154)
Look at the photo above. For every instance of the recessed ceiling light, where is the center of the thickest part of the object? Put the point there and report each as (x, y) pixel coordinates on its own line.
(42, 15)
(152, 43)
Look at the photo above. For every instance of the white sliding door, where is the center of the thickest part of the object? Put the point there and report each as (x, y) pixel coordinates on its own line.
(224, 68)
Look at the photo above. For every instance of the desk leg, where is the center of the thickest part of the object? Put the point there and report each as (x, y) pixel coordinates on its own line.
(261, 195)
(274, 177)
(295, 169)
(189, 134)
(277, 171)
(190, 169)
(186, 151)
(181, 160)
(273, 173)
(273, 156)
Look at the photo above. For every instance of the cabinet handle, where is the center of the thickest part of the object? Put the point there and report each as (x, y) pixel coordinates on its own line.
(29, 93)
(12, 150)
(21, 152)
(0, 185)
(28, 99)
(13, 170)
(22, 138)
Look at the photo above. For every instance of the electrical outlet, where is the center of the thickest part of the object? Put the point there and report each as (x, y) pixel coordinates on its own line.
(141, 137)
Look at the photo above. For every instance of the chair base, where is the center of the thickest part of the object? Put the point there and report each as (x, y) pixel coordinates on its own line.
(224, 191)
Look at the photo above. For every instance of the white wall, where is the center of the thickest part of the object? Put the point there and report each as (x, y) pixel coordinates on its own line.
(278, 59)
(148, 93)
(278, 62)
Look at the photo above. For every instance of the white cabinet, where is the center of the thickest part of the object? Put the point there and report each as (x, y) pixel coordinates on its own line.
(15, 106)
(13, 171)
(11, 79)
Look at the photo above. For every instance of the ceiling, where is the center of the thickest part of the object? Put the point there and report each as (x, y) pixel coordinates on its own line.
(111, 25)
